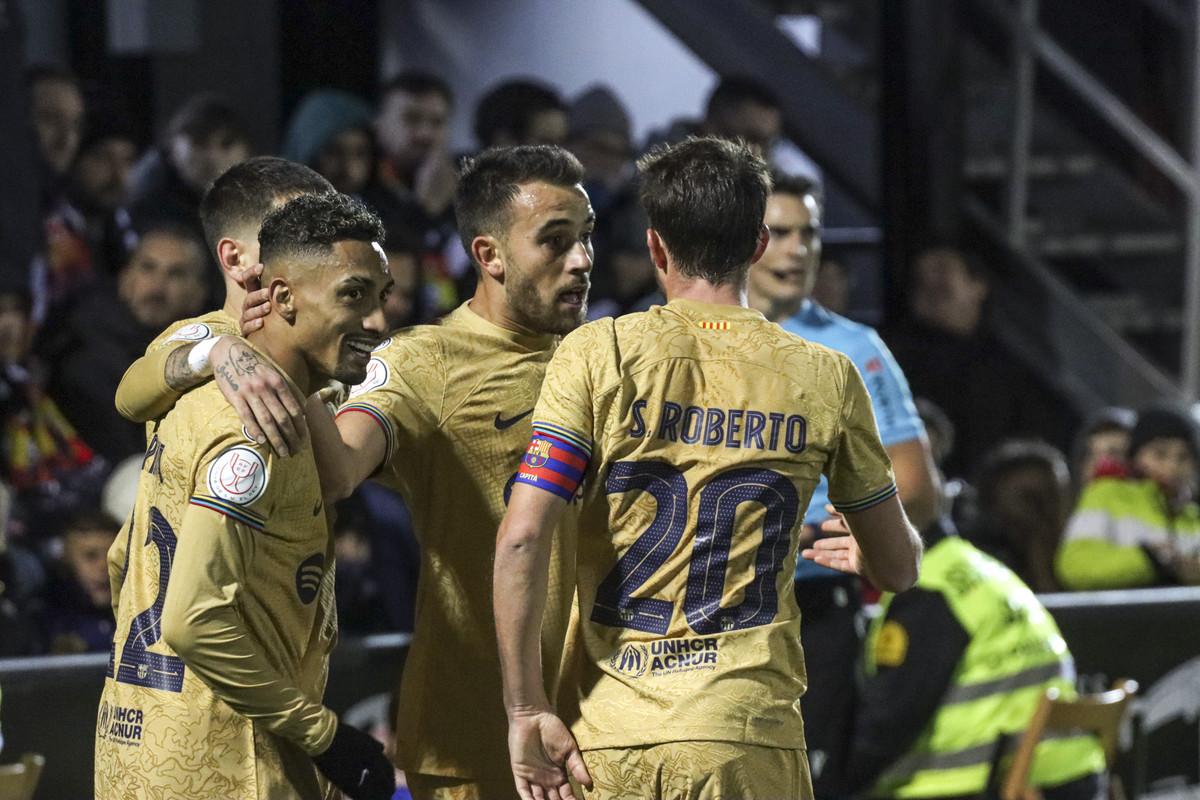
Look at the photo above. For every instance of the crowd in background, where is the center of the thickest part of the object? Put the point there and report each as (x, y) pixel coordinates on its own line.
(122, 256)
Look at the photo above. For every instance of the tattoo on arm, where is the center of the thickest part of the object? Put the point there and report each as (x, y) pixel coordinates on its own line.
(178, 374)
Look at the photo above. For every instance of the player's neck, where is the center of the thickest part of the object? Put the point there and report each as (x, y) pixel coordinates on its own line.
(675, 287)
(287, 358)
(490, 302)
(234, 297)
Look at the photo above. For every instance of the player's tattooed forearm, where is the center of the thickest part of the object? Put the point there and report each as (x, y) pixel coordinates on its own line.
(178, 374)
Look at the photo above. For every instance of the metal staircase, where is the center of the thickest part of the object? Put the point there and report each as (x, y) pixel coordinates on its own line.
(1089, 219)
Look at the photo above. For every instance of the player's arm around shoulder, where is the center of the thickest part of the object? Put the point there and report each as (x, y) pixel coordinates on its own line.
(398, 404)
(176, 361)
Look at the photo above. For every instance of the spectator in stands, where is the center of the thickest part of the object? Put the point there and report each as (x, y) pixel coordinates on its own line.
(21, 584)
(744, 108)
(163, 281)
(330, 131)
(79, 616)
(56, 111)
(1024, 495)
(89, 233)
(1101, 444)
(407, 304)
(1140, 527)
(623, 278)
(415, 180)
(50, 468)
(205, 137)
(412, 126)
(832, 289)
(520, 112)
(950, 666)
(600, 135)
(779, 285)
(950, 355)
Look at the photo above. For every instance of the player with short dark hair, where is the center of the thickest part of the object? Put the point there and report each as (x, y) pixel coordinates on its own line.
(686, 440)
(226, 619)
(442, 418)
(231, 214)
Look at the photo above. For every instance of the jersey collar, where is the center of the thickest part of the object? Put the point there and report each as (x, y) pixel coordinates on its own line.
(465, 316)
(696, 311)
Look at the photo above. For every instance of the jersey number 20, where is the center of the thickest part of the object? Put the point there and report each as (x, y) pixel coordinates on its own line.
(719, 500)
(139, 666)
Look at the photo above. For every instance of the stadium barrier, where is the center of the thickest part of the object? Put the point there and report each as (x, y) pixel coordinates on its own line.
(49, 704)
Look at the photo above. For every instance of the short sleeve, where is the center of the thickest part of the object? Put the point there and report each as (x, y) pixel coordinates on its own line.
(402, 392)
(895, 412)
(859, 470)
(563, 420)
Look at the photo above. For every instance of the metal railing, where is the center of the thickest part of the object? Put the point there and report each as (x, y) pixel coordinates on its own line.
(1032, 46)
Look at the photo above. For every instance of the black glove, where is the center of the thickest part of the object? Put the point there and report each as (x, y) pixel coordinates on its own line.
(355, 764)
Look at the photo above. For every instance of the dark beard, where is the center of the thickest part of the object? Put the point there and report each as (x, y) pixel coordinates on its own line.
(531, 312)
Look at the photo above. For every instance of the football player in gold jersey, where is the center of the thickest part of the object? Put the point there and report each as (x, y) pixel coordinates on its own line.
(227, 617)
(443, 417)
(695, 434)
(231, 213)
(183, 356)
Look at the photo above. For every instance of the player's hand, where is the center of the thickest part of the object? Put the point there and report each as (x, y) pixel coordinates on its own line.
(355, 764)
(247, 277)
(260, 395)
(256, 306)
(542, 749)
(838, 550)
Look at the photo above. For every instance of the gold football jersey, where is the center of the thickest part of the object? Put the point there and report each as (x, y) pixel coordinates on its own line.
(230, 559)
(144, 392)
(454, 401)
(699, 432)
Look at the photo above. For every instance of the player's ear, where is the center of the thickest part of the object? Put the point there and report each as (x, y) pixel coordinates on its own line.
(229, 255)
(658, 250)
(486, 252)
(283, 299)
(764, 238)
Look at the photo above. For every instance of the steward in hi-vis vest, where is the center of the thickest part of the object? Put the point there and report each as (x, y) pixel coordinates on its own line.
(952, 664)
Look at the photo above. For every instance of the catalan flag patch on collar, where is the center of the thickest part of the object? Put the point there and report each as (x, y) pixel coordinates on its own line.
(715, 325)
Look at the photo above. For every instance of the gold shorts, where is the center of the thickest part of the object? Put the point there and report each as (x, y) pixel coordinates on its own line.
(698, 771)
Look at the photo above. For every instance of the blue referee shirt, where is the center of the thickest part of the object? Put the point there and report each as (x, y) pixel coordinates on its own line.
(895, 413)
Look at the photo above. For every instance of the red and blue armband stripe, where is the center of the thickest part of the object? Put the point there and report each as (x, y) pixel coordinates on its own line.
(555, 460)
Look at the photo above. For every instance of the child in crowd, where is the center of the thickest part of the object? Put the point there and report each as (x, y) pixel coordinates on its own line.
(1139, 526)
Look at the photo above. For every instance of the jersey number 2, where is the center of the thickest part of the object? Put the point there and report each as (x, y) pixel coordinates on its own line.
(719, 500)
(139, 666)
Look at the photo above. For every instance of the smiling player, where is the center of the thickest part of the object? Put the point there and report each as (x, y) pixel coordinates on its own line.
(227, 616)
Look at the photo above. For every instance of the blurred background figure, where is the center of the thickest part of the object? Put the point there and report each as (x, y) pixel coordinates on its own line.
(408, 303)
(600, 135)
(205, 137)
(78, 617)
(163, 281)
(22, 580)
(56, 111)
(1140, 526)
(89, 231)
(951, 356)
(1101, 445)
(330, 131)
(520, 112)
(1024, 491)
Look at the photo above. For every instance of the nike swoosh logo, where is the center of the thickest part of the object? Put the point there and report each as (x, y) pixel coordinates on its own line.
(505, 424)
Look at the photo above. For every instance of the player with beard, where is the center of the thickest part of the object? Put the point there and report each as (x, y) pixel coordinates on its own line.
(443, 418)
(227, 617)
